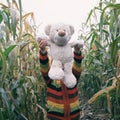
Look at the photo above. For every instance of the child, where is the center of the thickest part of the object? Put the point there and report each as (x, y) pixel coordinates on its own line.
(63, 102)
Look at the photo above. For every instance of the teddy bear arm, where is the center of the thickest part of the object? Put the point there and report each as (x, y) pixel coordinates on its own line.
(76, 43)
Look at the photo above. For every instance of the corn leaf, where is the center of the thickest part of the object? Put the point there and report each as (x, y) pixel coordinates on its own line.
(103, 91)
(3, 63)
(108, 102)
(1, 18)
(90, 14)
(8, 50)
(14, 24)
(112, 6)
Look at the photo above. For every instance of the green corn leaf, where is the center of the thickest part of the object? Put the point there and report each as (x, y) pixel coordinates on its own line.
(98, 45)
(14, 25)
(93, 39)
(1, 115)
(4, 97)
(118, 39)
(110, 6)
(3, 63)
(1, 18)
(111, 22)
(20, 9)
(6, 100)
(8, 50)
(114, 49)
(116, 23)
(89, 16)
(5, 17)
(106, 32)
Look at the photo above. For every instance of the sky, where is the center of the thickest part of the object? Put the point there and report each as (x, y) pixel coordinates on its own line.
(72, 12)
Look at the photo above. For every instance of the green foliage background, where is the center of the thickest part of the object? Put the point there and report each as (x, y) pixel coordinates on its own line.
(100, 80)
(22, 91)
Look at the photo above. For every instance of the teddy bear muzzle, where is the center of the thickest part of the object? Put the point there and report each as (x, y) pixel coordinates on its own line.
(61, 33)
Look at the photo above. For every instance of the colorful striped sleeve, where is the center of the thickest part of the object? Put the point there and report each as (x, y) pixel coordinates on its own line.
(44, 66)
(76, 68)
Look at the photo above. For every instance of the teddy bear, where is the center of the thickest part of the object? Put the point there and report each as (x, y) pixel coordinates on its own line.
(59, 36)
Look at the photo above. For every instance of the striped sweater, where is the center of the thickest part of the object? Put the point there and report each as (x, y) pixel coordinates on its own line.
(63, 102)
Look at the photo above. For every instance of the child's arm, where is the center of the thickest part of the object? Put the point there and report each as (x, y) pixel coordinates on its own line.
(44, 60)
(44, 66)
(76, 68)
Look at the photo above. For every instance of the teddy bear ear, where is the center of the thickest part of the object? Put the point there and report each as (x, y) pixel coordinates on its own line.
(47, 29)
(71, 29)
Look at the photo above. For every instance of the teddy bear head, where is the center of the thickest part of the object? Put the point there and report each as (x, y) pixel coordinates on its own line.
(60, 33)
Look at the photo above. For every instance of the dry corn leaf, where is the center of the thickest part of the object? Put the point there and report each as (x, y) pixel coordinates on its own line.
(99, 93)
(108, 102)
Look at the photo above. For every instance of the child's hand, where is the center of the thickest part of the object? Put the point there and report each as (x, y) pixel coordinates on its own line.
(78, 47)
(42, 43)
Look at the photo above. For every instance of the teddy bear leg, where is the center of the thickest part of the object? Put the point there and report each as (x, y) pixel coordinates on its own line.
(69, 79)
(56, 72)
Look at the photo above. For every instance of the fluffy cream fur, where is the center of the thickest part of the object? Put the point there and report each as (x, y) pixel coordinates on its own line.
(61, 52)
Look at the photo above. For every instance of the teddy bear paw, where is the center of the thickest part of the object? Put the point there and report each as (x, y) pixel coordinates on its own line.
(77, 43)
(69, 80)
(56, 74)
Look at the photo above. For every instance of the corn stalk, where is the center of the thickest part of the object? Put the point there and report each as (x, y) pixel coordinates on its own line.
(101, 64)
(21, 86)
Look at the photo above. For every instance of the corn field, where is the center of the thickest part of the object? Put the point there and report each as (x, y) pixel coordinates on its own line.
(22, 89)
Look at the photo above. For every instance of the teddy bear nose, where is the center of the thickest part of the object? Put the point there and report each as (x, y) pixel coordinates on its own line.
(61, 33)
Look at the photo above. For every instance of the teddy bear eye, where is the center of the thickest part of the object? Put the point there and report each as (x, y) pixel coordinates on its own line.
(57, 30)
